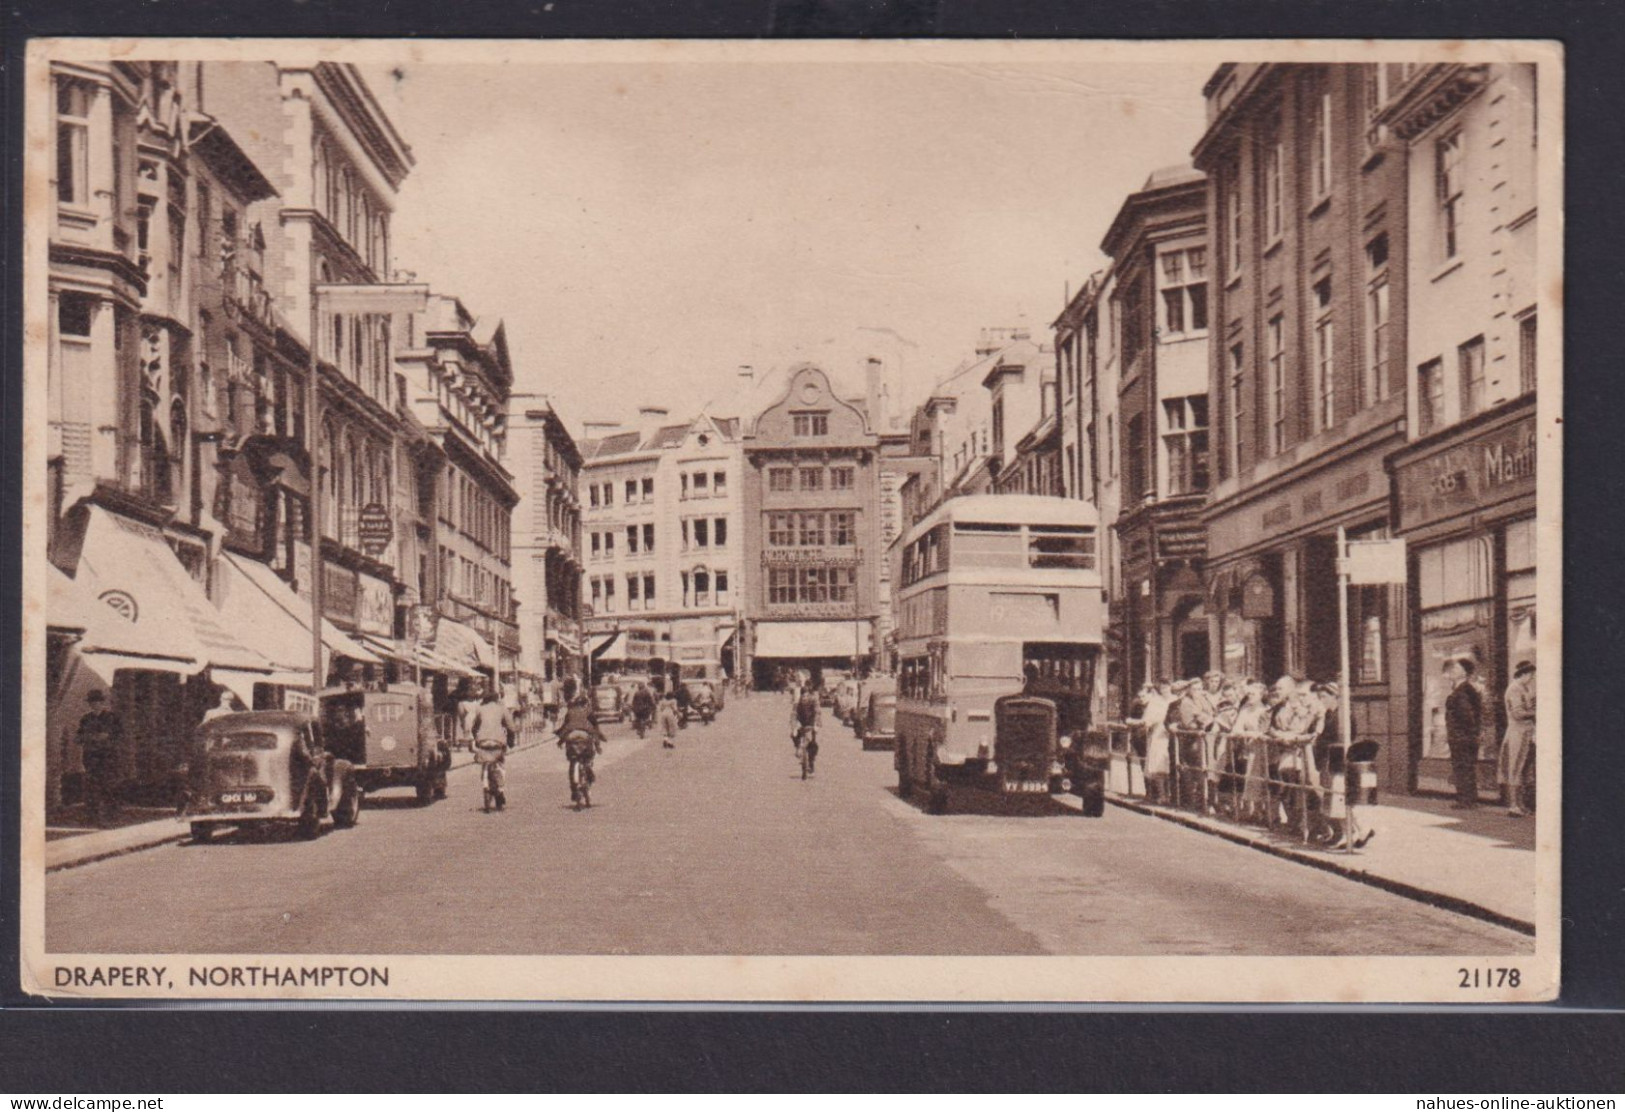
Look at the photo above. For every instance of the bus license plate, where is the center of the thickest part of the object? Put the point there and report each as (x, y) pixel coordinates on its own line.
(1036, 786)
(239, 797)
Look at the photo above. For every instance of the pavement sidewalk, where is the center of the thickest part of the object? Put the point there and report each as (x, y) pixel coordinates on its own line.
(1479, 863)
(80, 846)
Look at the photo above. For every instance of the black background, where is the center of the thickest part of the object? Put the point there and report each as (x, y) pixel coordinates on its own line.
(1576, 1047)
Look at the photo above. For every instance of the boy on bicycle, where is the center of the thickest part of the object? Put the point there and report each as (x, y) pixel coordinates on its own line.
(581, 741)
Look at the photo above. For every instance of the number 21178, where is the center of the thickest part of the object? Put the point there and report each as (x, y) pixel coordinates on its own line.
(1495, 977)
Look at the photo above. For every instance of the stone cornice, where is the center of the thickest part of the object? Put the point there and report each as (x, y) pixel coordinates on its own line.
(1430, 96)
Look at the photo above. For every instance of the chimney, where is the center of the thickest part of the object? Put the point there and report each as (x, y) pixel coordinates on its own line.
(650, 418)
(874, 393)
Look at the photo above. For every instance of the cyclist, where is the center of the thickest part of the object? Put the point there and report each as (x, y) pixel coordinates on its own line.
(581, 741)
(804, 720)
(490, 726)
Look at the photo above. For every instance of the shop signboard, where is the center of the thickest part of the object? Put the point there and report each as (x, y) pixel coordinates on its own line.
(339, 593)
(376, 610)
(1494, 466)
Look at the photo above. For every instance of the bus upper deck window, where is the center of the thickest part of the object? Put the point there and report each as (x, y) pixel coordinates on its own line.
(1061, 546)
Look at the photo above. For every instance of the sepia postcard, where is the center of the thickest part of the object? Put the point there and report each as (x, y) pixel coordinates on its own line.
(792, 521)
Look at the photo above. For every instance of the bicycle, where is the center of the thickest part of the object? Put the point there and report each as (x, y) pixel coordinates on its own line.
(579, 749)
(806, 749)
(490, 755)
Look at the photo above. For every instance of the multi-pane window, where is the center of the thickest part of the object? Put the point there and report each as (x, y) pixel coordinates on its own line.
(1449, 175)
(781, 530)
(840, 478)
(1274, 161)
(1429, 396)
(1061, 546)
(631, 491)
(719, 532)
(633, 582)
(1325, 360)
(597, 586)
(1276, 338)
(1138, 476)
(73, 100)
(781, 479)
(812, 478)
(648, 489)
(1184, 290)
(1238, 409)
(1470, 373)
(812, 530)
(842, 528)
(1378, 340)
(649, 592)
(1527, 370)
(842, 584)
(649, 537)
(702, 533)
(810, 424)
(632, 540)
(722, 588)
(1132, 323)
(781, 585)
(702, 588)
(1320, 151)
(609, 546)
(701, 485)
(609, 594)
(1185, 440)
(719, 483)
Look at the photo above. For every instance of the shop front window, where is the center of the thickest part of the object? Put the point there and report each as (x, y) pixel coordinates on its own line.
(1520, 546)
(1454, 594)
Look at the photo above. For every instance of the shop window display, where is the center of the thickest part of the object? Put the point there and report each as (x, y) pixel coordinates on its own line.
(1455, 594)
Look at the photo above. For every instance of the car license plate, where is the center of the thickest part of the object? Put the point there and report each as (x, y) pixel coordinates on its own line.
(1039, 786)
(239, 797)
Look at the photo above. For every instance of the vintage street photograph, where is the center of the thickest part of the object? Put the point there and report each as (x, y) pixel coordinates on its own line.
(792, 521)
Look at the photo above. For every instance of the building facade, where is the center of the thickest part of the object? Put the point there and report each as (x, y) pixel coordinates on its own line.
(1464, 483)
(1308, 289)
(456, 377)
(546, 539)
(813, 542)
(662, 544)
(1159, 249)
(191, 216)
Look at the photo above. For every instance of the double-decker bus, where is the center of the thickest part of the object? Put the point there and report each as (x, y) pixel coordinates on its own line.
(999, 631)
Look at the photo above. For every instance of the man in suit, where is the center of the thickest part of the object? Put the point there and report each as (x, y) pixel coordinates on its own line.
(1463, 722)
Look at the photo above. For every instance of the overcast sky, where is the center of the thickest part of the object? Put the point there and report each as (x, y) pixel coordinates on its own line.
(644, 230)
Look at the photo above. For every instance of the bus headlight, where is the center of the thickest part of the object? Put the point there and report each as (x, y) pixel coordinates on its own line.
(1066, 741)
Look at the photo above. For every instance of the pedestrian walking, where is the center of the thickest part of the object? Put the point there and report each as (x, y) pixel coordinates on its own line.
(1518, 744)
(98, 736)
(1463, 722)
(668, 719)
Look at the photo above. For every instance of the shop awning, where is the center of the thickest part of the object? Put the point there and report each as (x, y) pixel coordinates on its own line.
(607, 646)
(725, 636)
(254, 597)
(108, 638)
(132, 569)
(790, 640)
(463, 645)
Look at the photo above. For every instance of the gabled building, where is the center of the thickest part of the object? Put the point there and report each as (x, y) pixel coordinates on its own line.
(812, 544)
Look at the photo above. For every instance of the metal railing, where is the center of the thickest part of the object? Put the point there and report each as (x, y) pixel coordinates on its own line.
(1286, 785)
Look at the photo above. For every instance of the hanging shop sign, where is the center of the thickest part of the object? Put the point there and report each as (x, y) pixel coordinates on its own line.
(374, 528)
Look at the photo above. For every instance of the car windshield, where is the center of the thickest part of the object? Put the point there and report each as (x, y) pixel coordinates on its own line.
(244, 739)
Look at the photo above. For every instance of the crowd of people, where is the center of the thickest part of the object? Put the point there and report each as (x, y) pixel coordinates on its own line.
(1264, 749)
